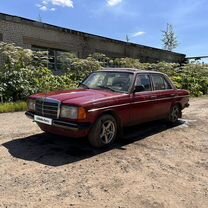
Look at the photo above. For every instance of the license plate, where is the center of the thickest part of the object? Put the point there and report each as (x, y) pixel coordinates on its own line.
(44, 120)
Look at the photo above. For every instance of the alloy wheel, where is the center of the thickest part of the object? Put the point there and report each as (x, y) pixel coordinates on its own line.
(108, 131)
(174, 114)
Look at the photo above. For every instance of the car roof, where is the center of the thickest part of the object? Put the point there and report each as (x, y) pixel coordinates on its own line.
(132, 70)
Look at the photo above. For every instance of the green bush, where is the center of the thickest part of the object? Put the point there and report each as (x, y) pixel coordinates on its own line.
(25, 72)
(18, 84)
(128, 63)
(77, 69)
(194, 77)
(81, 68)
(101, 58)
(44, 81)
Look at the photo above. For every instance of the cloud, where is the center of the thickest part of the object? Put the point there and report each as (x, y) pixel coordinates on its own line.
(43, 8)
(113, 3)
(44, 2)
(137, 34)
(49, 5)
(63, 3)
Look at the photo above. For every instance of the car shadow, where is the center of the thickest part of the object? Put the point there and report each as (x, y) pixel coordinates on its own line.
(57, 151)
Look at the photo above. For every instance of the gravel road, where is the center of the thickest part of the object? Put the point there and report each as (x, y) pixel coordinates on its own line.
(157, 166)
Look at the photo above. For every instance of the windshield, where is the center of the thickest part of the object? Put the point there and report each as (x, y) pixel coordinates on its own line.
(114, 81)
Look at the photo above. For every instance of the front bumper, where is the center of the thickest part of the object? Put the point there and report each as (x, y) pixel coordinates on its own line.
(63, 124)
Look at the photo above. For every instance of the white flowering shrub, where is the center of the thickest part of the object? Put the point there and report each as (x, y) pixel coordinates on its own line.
(25, 72)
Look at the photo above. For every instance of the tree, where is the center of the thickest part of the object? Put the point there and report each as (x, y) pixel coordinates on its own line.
(169, 38)
(39, 18)
(127, 38)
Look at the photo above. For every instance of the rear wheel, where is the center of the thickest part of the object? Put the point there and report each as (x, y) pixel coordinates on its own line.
(104, 132)
(175, 114)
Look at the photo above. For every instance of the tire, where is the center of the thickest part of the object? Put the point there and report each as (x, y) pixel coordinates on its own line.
(175, 114)
(103, 132)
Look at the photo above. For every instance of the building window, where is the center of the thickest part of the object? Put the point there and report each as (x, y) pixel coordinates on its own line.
(1, 37)
(54, 55)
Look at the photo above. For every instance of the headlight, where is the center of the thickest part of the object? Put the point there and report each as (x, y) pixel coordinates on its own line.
(31, 104)
(72, 112)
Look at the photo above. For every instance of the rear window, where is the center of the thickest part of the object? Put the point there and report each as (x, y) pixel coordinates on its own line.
(160, 83)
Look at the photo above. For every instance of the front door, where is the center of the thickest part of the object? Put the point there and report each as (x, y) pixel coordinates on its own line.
(142, 103)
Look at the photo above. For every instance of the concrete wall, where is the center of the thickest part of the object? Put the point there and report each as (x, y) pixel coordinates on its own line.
(26, 33)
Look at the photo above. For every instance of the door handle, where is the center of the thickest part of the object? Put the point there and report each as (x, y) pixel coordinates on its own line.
(153, 97)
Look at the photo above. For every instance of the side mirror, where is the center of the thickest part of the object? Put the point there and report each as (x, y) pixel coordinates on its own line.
(139, 88)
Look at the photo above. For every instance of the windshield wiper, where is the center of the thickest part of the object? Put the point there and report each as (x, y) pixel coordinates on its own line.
(105, 87)
(84, 85)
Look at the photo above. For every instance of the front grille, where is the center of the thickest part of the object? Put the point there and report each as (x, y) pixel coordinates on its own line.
(47, 107)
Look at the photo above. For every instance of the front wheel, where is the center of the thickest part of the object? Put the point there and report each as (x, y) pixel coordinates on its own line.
(175, 114)
(104, 131)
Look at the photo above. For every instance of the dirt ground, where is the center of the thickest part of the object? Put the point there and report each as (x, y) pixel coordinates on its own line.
(157, 166)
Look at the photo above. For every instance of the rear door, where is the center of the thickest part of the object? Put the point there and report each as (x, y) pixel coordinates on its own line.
(164, 94)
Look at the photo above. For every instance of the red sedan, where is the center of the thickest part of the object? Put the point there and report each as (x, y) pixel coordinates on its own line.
(107, 101)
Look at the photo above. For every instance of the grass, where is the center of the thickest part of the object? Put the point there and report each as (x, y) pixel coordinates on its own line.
(13, 107)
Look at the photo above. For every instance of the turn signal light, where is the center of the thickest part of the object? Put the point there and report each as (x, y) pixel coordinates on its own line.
(82, 113)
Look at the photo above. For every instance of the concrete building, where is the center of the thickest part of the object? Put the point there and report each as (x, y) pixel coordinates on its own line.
(36, 35)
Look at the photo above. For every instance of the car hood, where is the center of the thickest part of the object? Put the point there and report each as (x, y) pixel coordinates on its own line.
(79, 96)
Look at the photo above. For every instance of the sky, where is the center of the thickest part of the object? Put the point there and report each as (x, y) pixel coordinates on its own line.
(141, 20)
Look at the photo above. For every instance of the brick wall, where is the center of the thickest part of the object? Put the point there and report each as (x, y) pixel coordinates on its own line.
(26, 33)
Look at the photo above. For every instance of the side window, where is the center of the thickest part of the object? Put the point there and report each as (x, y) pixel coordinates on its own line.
(160, 82)
(144, 80)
